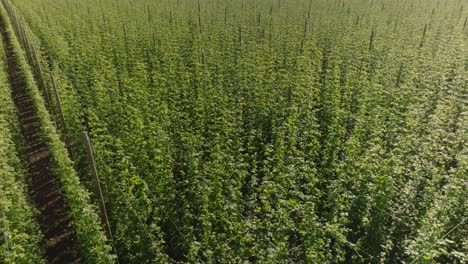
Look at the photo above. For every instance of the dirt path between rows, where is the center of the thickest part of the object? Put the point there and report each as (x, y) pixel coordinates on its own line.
(60, 241)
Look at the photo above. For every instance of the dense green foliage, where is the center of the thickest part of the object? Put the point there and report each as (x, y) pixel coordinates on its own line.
(305, 131)
(84, 217)
(19, 234)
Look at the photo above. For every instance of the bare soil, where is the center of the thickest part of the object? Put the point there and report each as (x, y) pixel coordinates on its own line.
(60, 241)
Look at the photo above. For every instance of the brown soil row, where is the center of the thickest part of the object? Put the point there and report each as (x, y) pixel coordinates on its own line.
(60, 241)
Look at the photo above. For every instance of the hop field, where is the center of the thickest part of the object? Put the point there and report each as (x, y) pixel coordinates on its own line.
(248, 131)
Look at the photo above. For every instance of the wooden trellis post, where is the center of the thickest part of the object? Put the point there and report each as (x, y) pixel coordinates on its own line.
(92, 162)
(102, 204)
(59, 103)
(41, 81)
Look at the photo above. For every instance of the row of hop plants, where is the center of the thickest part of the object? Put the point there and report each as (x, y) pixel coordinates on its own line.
(85, 220)
(20, 238)
(268, 132)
